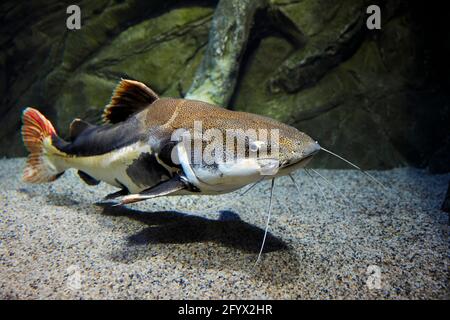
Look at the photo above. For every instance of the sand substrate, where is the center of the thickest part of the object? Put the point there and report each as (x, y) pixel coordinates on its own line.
(55, 242)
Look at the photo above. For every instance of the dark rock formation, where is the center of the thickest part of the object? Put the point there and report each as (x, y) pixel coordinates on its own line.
(68, 74)
(216, 77)
(377, 97)
(446, 204)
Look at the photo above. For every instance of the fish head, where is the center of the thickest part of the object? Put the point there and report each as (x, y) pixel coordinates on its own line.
(226, 153)
(295, 149)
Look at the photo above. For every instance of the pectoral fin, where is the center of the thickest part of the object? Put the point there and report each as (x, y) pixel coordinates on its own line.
(121, 192)
(164, 188)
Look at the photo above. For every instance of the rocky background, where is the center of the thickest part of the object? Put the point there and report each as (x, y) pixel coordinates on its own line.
(380, 98)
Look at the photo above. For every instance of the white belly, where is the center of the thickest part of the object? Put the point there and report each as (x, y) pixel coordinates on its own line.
(111, 167)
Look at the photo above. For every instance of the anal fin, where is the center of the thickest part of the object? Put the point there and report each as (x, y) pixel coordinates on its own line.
(87, 178)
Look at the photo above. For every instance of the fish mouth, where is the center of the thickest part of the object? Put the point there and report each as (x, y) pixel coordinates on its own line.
(310, 152)
(312, 149)
(305, 159)
(290, 167)
(298, 163)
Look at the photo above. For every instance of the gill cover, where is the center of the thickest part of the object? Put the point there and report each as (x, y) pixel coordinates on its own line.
(224, 176)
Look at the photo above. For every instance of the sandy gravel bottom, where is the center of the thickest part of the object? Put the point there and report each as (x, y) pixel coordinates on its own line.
(55, 242)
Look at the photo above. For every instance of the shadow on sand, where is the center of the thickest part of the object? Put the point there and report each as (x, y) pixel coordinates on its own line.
(178, 228)
(225, 243)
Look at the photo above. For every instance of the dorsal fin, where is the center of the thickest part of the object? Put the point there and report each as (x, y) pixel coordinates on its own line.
(128, 98)
(77, 126)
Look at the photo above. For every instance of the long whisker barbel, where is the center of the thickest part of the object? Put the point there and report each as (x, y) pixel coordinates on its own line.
(267, 223)
(295, 183)
(342, 195)
(331, 184)
(317, 184)
(355, 166)
(251, 187)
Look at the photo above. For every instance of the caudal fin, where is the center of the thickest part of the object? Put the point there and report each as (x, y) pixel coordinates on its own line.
(37, 133)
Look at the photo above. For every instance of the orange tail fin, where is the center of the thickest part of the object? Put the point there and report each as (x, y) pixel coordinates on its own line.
(37, 134)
